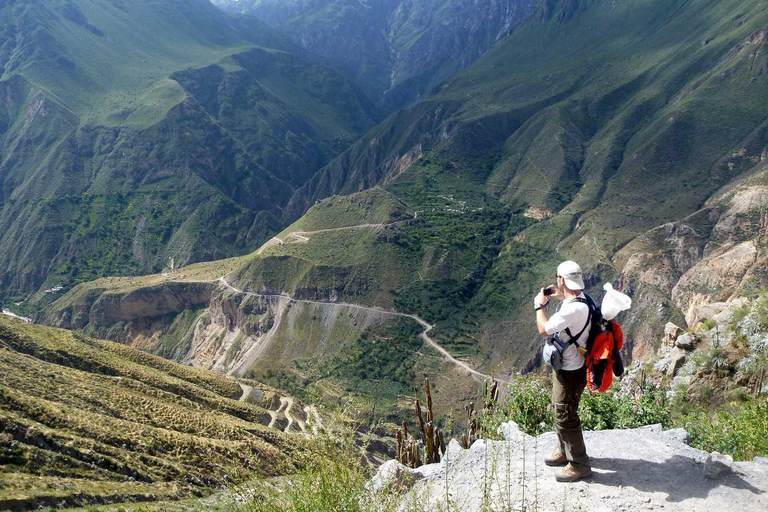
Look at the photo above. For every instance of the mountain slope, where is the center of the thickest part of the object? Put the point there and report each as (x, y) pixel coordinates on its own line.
(585, 129)
(137, 132)
(395, 51)
(601, 120)
(84, 421)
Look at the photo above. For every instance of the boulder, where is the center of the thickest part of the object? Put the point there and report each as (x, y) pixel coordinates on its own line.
(708, 311)
(671, 333)
(677, 359)
(393, 476)
(686, 341)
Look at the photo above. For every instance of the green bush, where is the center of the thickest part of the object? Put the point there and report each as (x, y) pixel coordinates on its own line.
(529, 405)
(530, 399)
(742, 433)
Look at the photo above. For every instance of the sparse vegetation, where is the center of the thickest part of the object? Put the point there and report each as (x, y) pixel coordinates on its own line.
(84, 420)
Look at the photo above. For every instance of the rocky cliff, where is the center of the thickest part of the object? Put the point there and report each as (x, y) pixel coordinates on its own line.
(640, 469)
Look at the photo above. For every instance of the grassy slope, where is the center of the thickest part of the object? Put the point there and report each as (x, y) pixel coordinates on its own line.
(607, 119)
(86, 420)
(127, 136)
(660, 107)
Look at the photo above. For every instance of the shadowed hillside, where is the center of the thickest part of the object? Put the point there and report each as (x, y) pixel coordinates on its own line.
(136, 133)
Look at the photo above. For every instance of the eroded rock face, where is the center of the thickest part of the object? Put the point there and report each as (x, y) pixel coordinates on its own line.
(699, 261)
(98, 309)
(639, 469)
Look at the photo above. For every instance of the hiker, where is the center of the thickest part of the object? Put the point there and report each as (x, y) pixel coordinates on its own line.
(571, 323)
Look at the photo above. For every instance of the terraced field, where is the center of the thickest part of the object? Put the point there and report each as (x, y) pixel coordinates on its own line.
(87, 421)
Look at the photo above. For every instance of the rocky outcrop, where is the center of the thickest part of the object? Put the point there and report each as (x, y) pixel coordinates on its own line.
(640, 469)
(98, 309)
(710, 256)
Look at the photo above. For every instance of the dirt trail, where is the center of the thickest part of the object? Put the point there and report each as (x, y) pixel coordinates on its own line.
(246, 391)
(300, 236)
(303, 237)
(288, 403)
(424, 335)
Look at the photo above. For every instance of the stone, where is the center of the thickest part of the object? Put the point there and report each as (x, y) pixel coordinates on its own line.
(655, 467)
(510, 431)
(677, 359)
(686, 341)
(671, 333)
(708, 311)
(679, 435)
(393, 476)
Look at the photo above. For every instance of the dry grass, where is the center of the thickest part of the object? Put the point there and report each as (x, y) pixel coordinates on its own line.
(83, 420)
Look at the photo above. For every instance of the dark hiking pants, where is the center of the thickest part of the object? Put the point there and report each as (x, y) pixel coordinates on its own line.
(567, 388)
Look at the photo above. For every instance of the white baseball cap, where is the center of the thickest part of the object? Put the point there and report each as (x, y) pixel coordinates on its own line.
(570, 271)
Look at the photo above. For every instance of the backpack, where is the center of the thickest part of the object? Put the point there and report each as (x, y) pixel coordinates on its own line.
(603, 344)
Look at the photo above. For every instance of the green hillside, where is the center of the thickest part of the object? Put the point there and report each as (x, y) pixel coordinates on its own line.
(133, 133)
(597, 120)
(86, 421)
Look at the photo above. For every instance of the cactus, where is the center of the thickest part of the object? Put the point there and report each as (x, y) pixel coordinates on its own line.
(432, 438)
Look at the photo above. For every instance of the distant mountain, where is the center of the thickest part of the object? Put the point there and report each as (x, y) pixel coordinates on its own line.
(395, 50)
(630, 136)
(597, 120)
(133, 134)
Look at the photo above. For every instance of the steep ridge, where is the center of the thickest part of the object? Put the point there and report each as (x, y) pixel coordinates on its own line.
(600, 120)
(135, 134)
(395, 51)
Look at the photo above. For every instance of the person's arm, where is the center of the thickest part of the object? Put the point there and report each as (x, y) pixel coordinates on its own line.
(548, 326)
(539, 302)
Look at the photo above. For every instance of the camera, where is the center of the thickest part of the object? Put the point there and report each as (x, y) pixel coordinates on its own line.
(549, 291)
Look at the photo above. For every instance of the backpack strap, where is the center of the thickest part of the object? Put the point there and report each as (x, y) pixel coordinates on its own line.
(573, 339)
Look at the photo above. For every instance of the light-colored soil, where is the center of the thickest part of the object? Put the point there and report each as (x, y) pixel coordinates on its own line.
(424, 335)
(633, 470)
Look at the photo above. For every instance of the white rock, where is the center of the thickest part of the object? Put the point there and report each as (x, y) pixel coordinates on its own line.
(686, 341)
(393, 476)
(677, 359)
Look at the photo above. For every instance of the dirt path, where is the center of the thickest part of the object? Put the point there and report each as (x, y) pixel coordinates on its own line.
(424, 335)
(246, 391)
(300, 236)
(288, 403)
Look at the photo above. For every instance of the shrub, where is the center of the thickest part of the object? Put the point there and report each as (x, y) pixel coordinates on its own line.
(530, 399)
(529, 405)
(742, 433)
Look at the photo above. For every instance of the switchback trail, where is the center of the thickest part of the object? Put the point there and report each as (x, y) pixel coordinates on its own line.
(424, 335)
(246, 391)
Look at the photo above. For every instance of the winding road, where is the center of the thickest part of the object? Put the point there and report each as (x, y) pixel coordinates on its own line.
(424, 335)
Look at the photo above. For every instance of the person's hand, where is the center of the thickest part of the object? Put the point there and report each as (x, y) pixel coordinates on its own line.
(540, 300)
(557, 295)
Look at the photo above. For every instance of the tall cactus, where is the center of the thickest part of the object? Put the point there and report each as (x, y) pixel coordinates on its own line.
(432, 438)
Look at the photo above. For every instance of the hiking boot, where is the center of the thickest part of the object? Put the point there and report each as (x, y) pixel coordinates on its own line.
(571, 474)
(556, 459)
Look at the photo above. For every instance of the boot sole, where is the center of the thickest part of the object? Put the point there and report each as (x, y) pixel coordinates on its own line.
(567, 479)
(555, 463)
